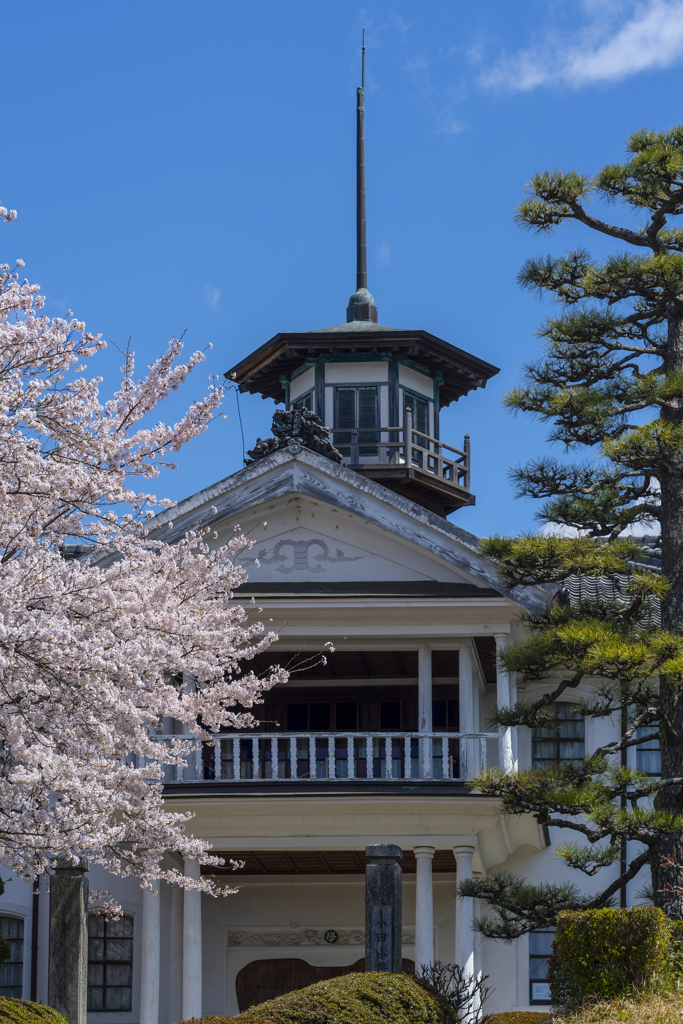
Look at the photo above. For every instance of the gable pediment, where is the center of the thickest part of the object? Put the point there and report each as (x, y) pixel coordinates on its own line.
(313, 520)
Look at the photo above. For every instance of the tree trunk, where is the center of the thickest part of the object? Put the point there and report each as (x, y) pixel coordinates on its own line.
(667, 854)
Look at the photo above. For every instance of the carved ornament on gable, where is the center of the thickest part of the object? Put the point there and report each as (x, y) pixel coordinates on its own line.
(302, 556)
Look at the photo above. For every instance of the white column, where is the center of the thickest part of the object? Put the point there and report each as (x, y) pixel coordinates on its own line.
(424, 708)
(464, 909)
(151, 957)
(424, 908)
(466, 705)
(503, 700)
(192, 945)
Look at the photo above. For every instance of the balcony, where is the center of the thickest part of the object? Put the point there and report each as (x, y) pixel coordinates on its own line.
(423, 468)
(332, 757)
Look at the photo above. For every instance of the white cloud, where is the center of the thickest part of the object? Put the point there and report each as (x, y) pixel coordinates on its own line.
(447, 124)
(212, 296)
(384, 254)
(620, 40)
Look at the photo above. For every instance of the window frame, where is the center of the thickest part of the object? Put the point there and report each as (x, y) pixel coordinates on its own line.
(22, 920)
(656, 748)
(105, 963)
(558, 739)
(300, 402)
(536, 957)
(355, 448)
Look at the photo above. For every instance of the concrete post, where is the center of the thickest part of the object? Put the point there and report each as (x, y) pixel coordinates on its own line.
(151, 957)
(503, 700)
(383, 908)
(466, 706)
(424, 703)
(464, 909)
(192, 944)
(67, 987)
(424, 908)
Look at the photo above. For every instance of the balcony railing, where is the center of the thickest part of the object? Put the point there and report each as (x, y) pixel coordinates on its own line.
(311, 757)
(386, 446)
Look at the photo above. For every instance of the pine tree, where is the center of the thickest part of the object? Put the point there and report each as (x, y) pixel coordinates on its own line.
(610, 382)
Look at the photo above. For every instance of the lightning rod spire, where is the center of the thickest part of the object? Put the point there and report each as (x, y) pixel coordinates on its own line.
(361, 304)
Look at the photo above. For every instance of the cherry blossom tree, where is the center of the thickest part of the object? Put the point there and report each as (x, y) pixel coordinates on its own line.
(93, 650)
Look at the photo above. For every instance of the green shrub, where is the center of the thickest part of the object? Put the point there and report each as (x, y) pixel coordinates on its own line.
(373, 998)
(609, 953)
(23, 1011)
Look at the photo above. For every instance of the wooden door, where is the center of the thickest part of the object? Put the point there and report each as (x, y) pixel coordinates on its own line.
(266, 979)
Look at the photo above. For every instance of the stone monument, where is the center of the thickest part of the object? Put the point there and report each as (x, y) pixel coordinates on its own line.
(67, 988)
(383, 908)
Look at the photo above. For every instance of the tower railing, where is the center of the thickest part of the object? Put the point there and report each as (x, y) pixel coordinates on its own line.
(404, 446)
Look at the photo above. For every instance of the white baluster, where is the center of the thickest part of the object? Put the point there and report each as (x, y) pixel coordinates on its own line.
(217, 759)
(275, 764)
(369, 761)
(311, 757)
(350, 757)
(292, 757)
(255, 773)
(482, 754)
(332, 767)
(236, 768)
(406, 758)
(387, 756)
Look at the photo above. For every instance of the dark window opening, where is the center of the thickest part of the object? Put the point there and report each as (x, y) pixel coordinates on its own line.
(12, 970)
(110, 964)
(390, 715)
(419, 408)
(561, 739)
(319, 717)
(347, 716)
(356, 410)
(297, 717)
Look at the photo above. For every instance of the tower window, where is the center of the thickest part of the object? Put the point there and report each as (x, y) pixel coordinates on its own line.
(561, 739)
(356, 421)
(12, 971)
(305, 402)
(110, 964)
(420, 413)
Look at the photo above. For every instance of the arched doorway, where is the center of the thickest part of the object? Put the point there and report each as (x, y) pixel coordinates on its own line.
(265, 979)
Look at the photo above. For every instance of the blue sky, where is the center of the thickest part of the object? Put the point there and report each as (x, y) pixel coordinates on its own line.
(190, 167)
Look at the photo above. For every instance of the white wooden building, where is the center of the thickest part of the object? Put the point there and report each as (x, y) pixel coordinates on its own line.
(375, 747)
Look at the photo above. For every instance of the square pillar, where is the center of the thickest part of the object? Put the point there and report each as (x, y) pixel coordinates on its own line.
(503, 699)
(192, 944)
(424, 708)
(151, 957)
(424, 908)
(67, 986)
(383, 908)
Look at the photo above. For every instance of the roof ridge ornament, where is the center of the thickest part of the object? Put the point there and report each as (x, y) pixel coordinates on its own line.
(361, 304)
(295, 429)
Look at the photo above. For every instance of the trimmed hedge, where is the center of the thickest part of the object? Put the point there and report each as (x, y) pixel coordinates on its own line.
(372, 998)
(23, 1011)
(519, 1017)
(608, 953)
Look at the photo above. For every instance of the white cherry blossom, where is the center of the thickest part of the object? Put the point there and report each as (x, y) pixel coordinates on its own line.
(92, 650)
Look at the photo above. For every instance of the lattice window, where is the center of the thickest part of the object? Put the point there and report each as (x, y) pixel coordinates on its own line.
(110, 963)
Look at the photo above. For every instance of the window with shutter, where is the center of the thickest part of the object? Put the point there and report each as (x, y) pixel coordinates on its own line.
(356, 410)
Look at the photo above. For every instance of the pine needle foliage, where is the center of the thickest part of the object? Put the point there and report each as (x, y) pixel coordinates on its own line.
(610, 386)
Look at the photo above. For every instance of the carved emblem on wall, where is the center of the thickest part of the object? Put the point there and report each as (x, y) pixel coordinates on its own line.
(302, 555)
(305, 937)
